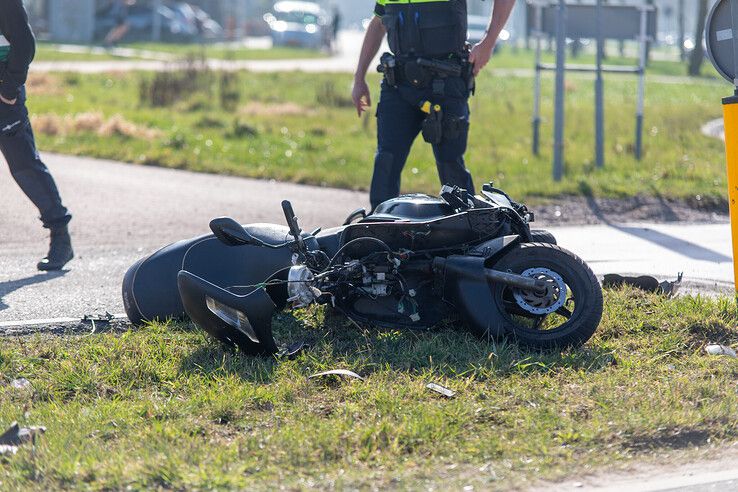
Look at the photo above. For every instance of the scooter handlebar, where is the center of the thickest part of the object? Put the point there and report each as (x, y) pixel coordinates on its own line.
(289, 214)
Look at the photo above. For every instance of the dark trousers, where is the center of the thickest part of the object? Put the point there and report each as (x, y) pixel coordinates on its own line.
(400, 120)
(19, 148)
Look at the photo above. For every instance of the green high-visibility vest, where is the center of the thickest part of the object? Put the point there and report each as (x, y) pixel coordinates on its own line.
(4, 48)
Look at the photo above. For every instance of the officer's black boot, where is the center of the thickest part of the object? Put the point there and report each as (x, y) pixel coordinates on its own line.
(60, 250)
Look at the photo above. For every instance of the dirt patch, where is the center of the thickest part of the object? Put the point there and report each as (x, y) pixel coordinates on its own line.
(578, 210)
(43, 84)
(256, 108)
(51, 124)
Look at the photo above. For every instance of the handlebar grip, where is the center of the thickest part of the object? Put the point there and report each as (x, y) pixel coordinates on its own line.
(289, 214)
(287, 208)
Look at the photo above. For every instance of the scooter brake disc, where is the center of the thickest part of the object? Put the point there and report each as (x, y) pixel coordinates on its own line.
(542, 303)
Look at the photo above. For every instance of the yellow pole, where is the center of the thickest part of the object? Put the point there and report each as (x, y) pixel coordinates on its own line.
(730, 117)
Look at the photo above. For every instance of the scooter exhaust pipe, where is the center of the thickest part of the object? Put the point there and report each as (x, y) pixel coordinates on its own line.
(497, 276)
(515, 280)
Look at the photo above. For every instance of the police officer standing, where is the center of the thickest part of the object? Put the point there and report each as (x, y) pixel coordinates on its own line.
(17, 48)
(428, 79)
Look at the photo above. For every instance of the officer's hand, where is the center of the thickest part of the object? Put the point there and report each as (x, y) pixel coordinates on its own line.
(360, 95)
(480, 55)
(8, 101)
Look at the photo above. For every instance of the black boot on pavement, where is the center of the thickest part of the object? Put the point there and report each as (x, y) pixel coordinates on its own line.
(60, 250)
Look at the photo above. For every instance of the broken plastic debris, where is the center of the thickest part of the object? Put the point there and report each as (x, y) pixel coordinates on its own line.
(337, 372)
(20, 383)
(644, 282)
(721, 350)
(8, 449)
(94, 320)
(292, 351)
(441, 390)
(17, 435)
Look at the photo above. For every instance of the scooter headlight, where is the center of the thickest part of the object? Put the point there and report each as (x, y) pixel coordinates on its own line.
(233, 317)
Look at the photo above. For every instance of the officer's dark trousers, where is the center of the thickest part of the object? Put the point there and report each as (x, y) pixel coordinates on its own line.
(400, 120)
(19, 148)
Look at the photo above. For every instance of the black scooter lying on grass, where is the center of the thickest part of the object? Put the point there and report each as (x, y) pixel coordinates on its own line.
(414, 262)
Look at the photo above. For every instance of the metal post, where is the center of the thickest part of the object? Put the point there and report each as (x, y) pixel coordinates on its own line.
(642, 82)
(558, 164)
(599, 93)
(680, 17)
(537, 82)
(156, 22)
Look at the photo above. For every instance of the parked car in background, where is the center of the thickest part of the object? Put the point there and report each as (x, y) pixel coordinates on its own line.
(300, 24)
(477, 26)
(179, 21)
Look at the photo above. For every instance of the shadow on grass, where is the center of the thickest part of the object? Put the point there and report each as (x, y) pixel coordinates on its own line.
(676, 438)
(214, 358)
(446, 351)
(454, 352)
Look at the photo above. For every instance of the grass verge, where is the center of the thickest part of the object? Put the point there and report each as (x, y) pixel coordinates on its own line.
(300, 127)
(164, 407)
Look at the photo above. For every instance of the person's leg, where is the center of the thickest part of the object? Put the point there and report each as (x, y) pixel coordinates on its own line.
(33, 176)
(19, 149)
(398, 123)
(450, 152)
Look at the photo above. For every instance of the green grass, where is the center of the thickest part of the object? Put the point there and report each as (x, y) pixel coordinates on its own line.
(53, 52)
(308, 141)
(165, 407)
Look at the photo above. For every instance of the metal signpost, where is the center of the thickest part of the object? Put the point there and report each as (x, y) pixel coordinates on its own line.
(558, 168)
(547, 18)
(599, 92)
(721, 37)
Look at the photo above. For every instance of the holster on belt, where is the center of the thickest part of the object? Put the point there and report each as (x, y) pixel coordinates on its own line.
(388, 66)
(453, 126)
(468, 69)
(433, 125)
(438, 126)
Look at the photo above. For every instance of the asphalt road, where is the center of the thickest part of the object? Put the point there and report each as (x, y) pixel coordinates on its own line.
(123, 212)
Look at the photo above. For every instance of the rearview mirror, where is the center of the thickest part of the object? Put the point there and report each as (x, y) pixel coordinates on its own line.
(230, 232)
